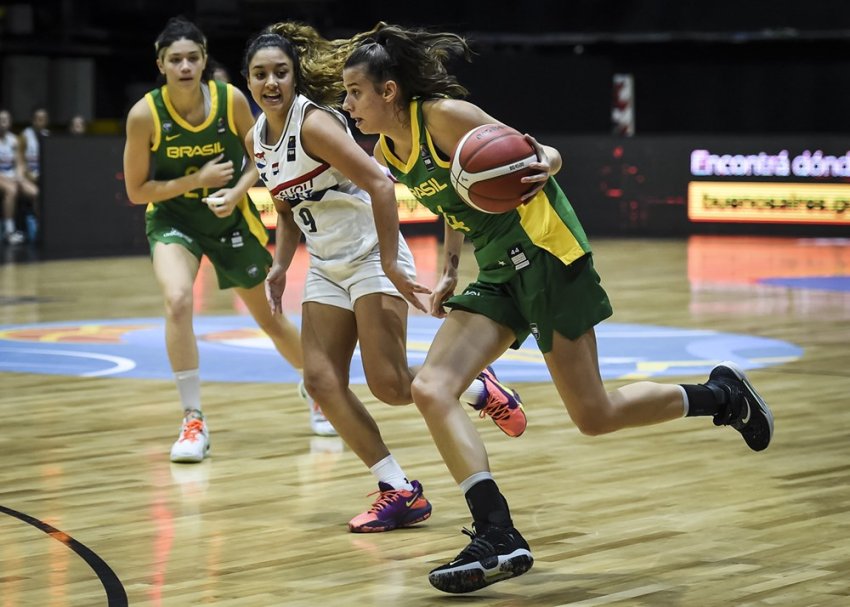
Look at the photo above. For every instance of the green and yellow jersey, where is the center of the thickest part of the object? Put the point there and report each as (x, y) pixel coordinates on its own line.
(179, 149)
(503, 243)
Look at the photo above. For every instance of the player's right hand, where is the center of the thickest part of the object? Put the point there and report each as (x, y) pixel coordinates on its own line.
(216, 173)
(407, 286)
(275, 286)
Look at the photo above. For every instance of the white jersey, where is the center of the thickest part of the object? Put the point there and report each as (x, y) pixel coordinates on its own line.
(31, 151)
(8, 155)
(334, 214)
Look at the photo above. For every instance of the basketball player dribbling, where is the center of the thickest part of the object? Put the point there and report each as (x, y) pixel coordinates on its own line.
(191, 132)
(328, 189)
(536, 276)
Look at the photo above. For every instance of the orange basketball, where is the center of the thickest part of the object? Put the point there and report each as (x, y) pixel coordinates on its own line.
(487, 166)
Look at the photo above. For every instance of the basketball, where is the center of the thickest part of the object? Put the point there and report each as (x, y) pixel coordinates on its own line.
(487, 166)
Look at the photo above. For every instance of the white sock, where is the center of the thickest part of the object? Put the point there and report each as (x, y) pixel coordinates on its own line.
(388, 471)
(473, 392)
(687, 405)
(467, 483)
(10, 225)
(189, 388)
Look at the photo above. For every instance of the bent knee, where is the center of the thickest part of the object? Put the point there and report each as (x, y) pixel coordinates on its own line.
(392, 389)
(429, 394)
(594, 423)
(325, 388)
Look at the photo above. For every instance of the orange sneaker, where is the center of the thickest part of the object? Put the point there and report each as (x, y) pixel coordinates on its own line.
(394, 508)
(193, 444)
(502, 404)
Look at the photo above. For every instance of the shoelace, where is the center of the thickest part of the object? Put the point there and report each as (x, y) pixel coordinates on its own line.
(191, 429)
(385, 499)
(729, 414)
(477, 548)
(495, 409)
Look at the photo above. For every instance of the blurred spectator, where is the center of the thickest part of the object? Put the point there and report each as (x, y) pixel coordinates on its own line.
(217, 70)
(29, 152)
(77, 125)
(29, 142)
(12, 182)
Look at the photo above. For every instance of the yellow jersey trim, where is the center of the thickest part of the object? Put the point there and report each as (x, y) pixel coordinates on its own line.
(255, 225)
(157, 127)
(185, 125)
(405, 167)
(546, 229)
(435, 155)
(231, 119)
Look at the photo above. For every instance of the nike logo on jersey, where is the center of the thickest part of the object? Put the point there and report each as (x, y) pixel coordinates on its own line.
(172, 137)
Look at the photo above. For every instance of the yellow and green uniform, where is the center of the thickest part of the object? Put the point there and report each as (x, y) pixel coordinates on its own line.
(535, 269)
(235, 244)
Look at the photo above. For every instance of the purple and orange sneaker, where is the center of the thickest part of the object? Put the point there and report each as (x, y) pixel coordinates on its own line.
(394, 508)
(502, 404)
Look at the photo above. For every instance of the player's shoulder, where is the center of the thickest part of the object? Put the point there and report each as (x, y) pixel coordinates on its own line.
(141, 110)
(440, 107)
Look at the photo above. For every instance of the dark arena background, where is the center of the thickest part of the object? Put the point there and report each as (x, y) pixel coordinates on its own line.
(630, 92)
(706, 151)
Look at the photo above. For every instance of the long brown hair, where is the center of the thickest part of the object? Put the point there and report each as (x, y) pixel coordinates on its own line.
(317, 61)
(415, 58)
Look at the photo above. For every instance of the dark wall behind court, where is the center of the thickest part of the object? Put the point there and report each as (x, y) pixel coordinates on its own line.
(719, 67)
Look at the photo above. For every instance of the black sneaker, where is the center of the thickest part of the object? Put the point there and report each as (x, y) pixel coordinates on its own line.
(493, 555)
(745, 410)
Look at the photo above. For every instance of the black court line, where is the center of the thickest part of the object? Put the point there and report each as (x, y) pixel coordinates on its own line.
(115, 594)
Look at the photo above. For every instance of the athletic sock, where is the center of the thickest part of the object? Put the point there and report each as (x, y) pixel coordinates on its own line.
(189, 388)
(699, 400)
(388, 471)
(487, 505)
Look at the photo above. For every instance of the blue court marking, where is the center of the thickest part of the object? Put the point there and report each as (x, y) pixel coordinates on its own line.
(817, 283)
(233, 349)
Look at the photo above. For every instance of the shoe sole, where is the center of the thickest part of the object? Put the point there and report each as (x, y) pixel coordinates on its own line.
(385, 528)
(755, 396)
(185, 459)
(475, 577)
(190, 459)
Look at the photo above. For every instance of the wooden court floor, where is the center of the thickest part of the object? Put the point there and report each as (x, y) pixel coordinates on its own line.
(681, 514)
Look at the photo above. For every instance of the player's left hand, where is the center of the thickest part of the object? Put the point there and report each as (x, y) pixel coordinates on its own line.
(222, 202)
(444, 289)
(542, 165)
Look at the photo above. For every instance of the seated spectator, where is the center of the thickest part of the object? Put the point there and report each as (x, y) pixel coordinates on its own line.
(11, 180)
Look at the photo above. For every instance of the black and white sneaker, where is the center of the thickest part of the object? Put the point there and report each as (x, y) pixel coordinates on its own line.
(493, 555)
(745, 410)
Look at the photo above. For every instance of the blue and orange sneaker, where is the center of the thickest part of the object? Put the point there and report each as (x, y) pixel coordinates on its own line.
(394, 508)
(502, 404)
